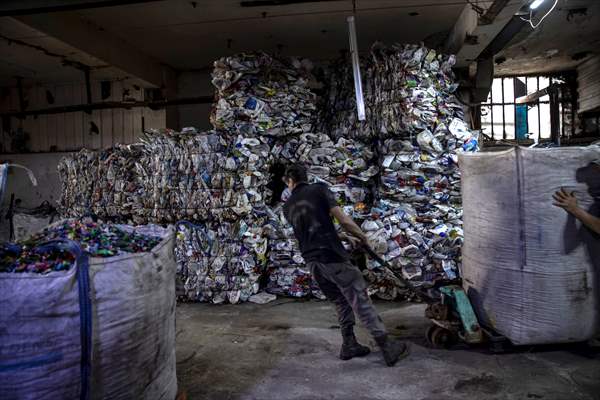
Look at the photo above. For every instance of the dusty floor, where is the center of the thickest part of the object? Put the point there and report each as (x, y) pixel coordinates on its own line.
(288, 350)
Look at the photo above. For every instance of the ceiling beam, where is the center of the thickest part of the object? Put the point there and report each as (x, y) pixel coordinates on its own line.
(9, 8)
(492, 12)
(473, 33)
(71, 29)
(463, 29)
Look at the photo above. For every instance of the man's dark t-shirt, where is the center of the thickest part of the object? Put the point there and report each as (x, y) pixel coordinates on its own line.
(307, 210)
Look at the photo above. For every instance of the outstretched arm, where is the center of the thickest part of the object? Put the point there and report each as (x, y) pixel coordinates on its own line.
(348, 224)
(568, 202)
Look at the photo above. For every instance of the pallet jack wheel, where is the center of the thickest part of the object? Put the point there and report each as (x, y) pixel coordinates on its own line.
(441, 338)
(429, 333)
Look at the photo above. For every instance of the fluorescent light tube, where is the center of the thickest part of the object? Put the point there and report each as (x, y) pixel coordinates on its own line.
(360, 104)
(536, 4)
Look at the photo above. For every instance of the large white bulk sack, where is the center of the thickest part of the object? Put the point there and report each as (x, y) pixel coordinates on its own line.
(132, 330)
(530, 269)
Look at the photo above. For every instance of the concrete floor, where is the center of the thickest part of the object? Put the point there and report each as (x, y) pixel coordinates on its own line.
(288, 349)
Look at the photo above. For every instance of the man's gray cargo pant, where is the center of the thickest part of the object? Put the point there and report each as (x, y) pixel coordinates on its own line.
(344, 285)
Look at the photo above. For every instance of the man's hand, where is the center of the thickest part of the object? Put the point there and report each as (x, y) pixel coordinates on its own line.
(565, 200)
(568, 202)
(354, 241)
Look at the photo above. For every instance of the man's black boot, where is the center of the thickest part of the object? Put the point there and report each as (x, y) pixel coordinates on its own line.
(392, 349)
(350, 347)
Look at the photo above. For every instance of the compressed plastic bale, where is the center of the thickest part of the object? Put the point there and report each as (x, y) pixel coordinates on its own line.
(259, 94)
(133, 330)
(530, 270)
(220, 262)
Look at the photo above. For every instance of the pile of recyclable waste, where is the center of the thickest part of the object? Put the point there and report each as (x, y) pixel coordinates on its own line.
(417, 215)
(346, 166)
(216, 181)
(78, 175)
(287, 272)
(169, 176)
(337, 114)
(396, 173)
(95, 239)
(260, 101)
(201, 176)
(260, 95)
(103, 183)
(206, 177)
(220, 262)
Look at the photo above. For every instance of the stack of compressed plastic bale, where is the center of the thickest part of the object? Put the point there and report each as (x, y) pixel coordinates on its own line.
(417, 224)
(213, 182)
(77, 178)
(286, 271)
(260, 100)
(200, 176)
(215, 179)
(220, 261)
(174, 176)
(259, 95)
(344, 166)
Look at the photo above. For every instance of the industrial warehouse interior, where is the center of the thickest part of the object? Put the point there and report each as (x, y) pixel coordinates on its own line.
(296, 199)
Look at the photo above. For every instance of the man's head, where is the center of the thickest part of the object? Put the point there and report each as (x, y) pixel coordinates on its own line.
(294, 174)
(590, 175)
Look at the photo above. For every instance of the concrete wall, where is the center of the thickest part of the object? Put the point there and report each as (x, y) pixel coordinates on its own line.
(191, 84)
(43, 166)
(71, 131)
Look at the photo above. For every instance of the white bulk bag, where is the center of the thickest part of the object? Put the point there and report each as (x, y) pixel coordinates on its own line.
(132, 330)
(531, 270)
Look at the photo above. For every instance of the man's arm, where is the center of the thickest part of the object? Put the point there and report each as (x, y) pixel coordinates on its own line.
(587, 219)
(348, 224)
(568, 202)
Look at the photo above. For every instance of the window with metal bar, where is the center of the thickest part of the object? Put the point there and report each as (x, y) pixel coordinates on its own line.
(503, 118)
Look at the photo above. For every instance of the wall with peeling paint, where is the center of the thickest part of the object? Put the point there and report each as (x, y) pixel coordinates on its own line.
(73, 131)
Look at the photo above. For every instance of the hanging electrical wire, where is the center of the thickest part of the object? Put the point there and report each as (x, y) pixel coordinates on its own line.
(530, 20)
